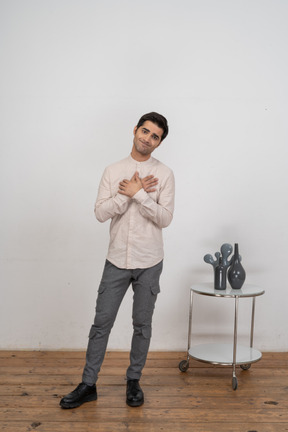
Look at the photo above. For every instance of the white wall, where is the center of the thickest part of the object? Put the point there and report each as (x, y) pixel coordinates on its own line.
(75, 78)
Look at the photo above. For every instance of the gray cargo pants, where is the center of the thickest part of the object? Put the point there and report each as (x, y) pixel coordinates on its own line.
(112, 288)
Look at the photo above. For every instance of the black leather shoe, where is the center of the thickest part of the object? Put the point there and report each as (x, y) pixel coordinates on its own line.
(135, 396)
(82, 393)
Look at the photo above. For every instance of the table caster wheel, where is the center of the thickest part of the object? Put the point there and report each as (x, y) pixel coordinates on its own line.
(183, 365)
(245, 366)
(234, 383)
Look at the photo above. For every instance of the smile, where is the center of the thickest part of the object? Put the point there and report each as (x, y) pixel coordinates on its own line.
(145, 144)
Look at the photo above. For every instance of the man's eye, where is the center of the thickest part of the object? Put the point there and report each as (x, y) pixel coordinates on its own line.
(155, 137)
(144, 131)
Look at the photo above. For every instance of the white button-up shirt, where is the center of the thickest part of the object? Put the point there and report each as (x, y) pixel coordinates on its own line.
(136, 223)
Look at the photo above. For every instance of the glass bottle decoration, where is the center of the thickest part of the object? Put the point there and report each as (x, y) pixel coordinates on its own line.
(220, 276)
(236, 272)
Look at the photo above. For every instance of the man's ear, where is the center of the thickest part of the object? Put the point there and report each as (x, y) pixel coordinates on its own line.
(134, 130)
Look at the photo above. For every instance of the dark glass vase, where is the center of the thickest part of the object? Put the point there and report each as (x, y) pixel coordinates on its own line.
(236, 272)
(220, 276)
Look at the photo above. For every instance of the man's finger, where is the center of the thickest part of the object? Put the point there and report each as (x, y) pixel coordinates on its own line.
(152, 181)
(134, 177)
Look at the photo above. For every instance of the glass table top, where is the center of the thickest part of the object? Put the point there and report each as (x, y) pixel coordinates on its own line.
(247, 290)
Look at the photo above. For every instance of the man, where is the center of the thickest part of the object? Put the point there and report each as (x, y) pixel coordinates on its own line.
(137, 194)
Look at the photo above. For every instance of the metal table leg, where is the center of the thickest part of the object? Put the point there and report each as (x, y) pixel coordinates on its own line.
(234, 378)
(248, 365)
(190, 323)
(184, 364)
(252, 323)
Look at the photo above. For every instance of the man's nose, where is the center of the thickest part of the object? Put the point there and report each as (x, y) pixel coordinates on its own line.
(147, 138)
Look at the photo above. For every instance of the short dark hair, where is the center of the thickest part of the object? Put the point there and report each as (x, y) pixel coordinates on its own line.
(158, 119)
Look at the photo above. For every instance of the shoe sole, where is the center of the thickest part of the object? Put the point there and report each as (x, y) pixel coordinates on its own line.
(135, 404)
(89, 398)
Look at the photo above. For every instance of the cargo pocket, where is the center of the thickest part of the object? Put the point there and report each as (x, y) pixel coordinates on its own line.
(92, 332)
(101, 288)
(146, 332)
(150, 305)
(155, 288)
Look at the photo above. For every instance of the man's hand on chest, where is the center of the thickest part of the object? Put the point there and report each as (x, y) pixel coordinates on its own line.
(132, 186)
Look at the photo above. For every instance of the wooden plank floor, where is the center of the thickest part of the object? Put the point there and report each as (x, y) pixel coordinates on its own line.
(200, 400)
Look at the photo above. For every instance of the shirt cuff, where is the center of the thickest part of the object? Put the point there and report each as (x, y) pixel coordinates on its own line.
(121, 198)
(140, 196)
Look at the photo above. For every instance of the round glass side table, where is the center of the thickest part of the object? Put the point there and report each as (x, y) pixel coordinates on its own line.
(224, 354)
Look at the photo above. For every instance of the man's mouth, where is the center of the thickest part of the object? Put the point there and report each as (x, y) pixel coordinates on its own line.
(145, 144)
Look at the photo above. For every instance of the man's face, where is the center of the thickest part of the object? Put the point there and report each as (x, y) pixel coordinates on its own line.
(147, 137)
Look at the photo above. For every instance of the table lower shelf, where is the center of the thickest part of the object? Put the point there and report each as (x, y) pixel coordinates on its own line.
(223, 354)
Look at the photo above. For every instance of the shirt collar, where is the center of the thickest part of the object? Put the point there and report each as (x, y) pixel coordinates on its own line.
(149, 161)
